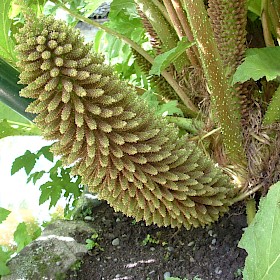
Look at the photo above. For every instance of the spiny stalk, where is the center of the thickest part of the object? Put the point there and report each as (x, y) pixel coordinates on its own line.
(223, 102)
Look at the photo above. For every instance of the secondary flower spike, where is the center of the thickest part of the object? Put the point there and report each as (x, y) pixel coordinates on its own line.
(131, 158)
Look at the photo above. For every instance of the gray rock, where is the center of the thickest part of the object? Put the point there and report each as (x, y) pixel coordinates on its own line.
(170, 249)
(191, 243)
(218, 270)
(85, 205)
(214, 241)
(67, 228)
(166, 275)
(116, 242)
(51, 255)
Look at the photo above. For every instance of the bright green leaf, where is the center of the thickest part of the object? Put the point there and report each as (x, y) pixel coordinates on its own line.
(73, 188)
(26, 161)
(21, 236)
(170, 108)
(259, 63)
(91, 6)
(6, 44)
(98, 40)
(124, 18)
(163, 60)
(52, 191)
(8, 113)
(273, 111)
(4, 257)
(35, 176)
(261, 239)
(45, 193)
(4, 213)
(118, 6)
(166, 109)
(45, 151)
(10, 128)
(255, 6)
(4, 270)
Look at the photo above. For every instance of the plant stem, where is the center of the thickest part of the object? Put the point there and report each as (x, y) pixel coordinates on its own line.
(221, 92)
(179, 29)
(191, 107)
(250, 210)
(265, 24)
(186, 27)
(244, 195)
(193, 111)
(164, 30)
(190, 125)
(275, 19)
(162, 10)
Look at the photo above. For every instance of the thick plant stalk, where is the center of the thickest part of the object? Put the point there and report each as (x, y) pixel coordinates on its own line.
(228, 19)
(178, 22)
(221, 93)
(269, 42)
(131, 158)
(164, 30)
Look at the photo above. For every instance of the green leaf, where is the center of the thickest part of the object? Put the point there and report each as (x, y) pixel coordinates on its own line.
(91, 6)
(52, 191)
(4, 270)
(4, 257)
(21, 236)
(170, 108)
(261, 239)
(98, 40)
(26, 161)
(119, 6)
(273, 111)
(7, 45)
(163, 60)
(4, 213)
(7, 113)
(45, 151)
(255, 6)
(166, 109)
(259, 63)
(10, 128)
(35, 176)
(124, 18)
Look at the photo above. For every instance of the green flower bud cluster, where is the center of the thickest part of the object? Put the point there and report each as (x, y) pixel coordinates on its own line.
(161, 85)
(131, 158)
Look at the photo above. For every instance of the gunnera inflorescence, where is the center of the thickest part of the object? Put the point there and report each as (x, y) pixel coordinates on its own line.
(131, 158)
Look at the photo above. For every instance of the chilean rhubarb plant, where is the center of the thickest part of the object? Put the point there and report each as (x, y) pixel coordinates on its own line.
(221, 144)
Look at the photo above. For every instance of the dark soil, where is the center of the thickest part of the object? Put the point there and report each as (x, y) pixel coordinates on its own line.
(152, 253)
